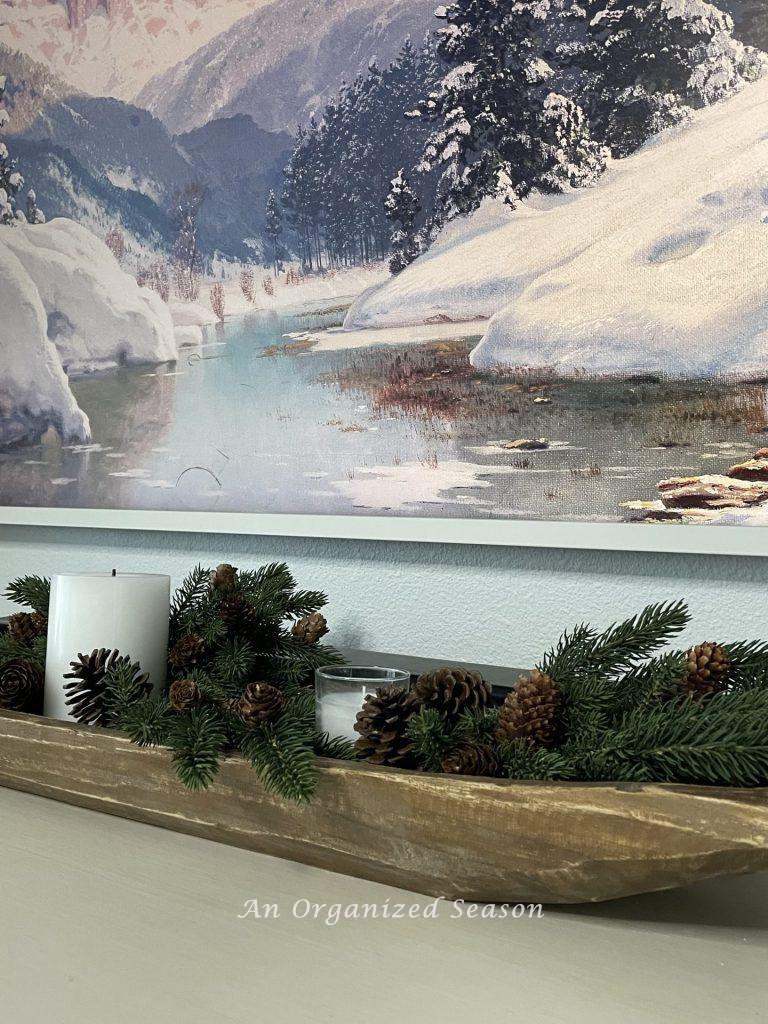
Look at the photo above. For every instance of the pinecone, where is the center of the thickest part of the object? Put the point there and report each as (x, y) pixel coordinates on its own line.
(260, 703)
(21, 686)
(24, 627)
(531, 710)
(238, 614)
(381, 723)
(468, 758)
(451, 691)
(87, 690)
(186, 652)
(708, 667)
(223, 577)
(184, 694)
(311, 628)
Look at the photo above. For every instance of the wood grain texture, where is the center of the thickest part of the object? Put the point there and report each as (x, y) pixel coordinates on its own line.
(479, 839)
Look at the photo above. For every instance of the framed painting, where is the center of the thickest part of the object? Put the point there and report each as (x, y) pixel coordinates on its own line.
(490, 273)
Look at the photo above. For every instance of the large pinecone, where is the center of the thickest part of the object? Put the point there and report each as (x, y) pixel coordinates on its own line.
(238, 614)
(24, 627)
(452, 691)
(531, 710)
(311, 628)
(223, 577)
(467, 758)
(186, 652)
(707, 670)
(87, 691)
(184, 694)
(21, 686)
(260, 703)
(381, 724)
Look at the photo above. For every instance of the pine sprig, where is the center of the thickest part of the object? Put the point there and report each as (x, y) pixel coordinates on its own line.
(197, 740)
(520, 760)
(11, 649)
(193, 589)
(431, 738)
(147, 722)
(283, 757)
(337, 748)
(722, 741)
(749, 664)
(31, 591)
(621, 646)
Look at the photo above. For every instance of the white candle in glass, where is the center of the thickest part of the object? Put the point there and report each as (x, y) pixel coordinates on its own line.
(340, 691)
(127, 612)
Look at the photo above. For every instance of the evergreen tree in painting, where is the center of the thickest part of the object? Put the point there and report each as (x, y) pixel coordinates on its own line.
(33, 212)
(647, 63)
(273, 229)
(187, 259)
(402, 207)
(342, 165)
(499, 129)
(11, 179)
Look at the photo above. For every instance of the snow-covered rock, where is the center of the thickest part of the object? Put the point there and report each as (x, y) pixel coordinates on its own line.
(67, 306)
(98, 317)
(34, 392)
(662, 267)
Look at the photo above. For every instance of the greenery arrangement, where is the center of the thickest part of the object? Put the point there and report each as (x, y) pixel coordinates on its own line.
(606, 706)
(611, 705)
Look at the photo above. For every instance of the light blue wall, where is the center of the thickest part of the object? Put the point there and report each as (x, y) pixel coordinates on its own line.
(498, 605)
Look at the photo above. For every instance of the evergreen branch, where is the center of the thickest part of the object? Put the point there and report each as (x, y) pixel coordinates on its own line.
(305, 602)
(147, 723)
(31, 591)
(569, 654)
(431, 738)
(521, 760)
(11, 649)
(300, 704)
(283, 757)
(723, 741)
(124, 686)
(749, 664)
(211, 688)
(651, 681)
(197, 740)
(335, 747)
(234, 661)
(478, 726)
(192, 590)
(620, 646)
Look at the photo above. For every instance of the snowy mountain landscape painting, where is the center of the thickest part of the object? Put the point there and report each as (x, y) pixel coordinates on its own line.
(499, 260)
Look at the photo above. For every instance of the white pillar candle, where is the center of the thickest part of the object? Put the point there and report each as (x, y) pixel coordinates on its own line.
(127, 612)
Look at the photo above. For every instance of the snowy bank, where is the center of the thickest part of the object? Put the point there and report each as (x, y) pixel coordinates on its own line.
(659, 268)
(98, 317)
(67, 307)
(34, 392)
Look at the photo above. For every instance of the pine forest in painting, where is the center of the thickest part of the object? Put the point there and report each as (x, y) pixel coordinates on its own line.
(498, 259)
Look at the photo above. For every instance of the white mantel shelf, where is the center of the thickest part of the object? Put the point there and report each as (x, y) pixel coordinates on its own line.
(103, 919)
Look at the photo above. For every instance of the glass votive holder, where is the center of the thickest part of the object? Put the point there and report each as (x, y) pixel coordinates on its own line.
(340, 691)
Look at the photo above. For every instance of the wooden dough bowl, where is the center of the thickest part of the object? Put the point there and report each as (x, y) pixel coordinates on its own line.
(479, 839)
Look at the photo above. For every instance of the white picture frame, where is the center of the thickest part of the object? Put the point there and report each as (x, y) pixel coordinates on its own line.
(648, 537)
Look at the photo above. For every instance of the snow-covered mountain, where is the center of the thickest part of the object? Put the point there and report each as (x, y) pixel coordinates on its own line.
(659, 268)
(113, 47)
(284, 61)
(107, 163)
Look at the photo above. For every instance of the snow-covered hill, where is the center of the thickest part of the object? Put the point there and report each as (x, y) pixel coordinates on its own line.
(283, 62)
(67, 307)
(661, 267)
(113, 47)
